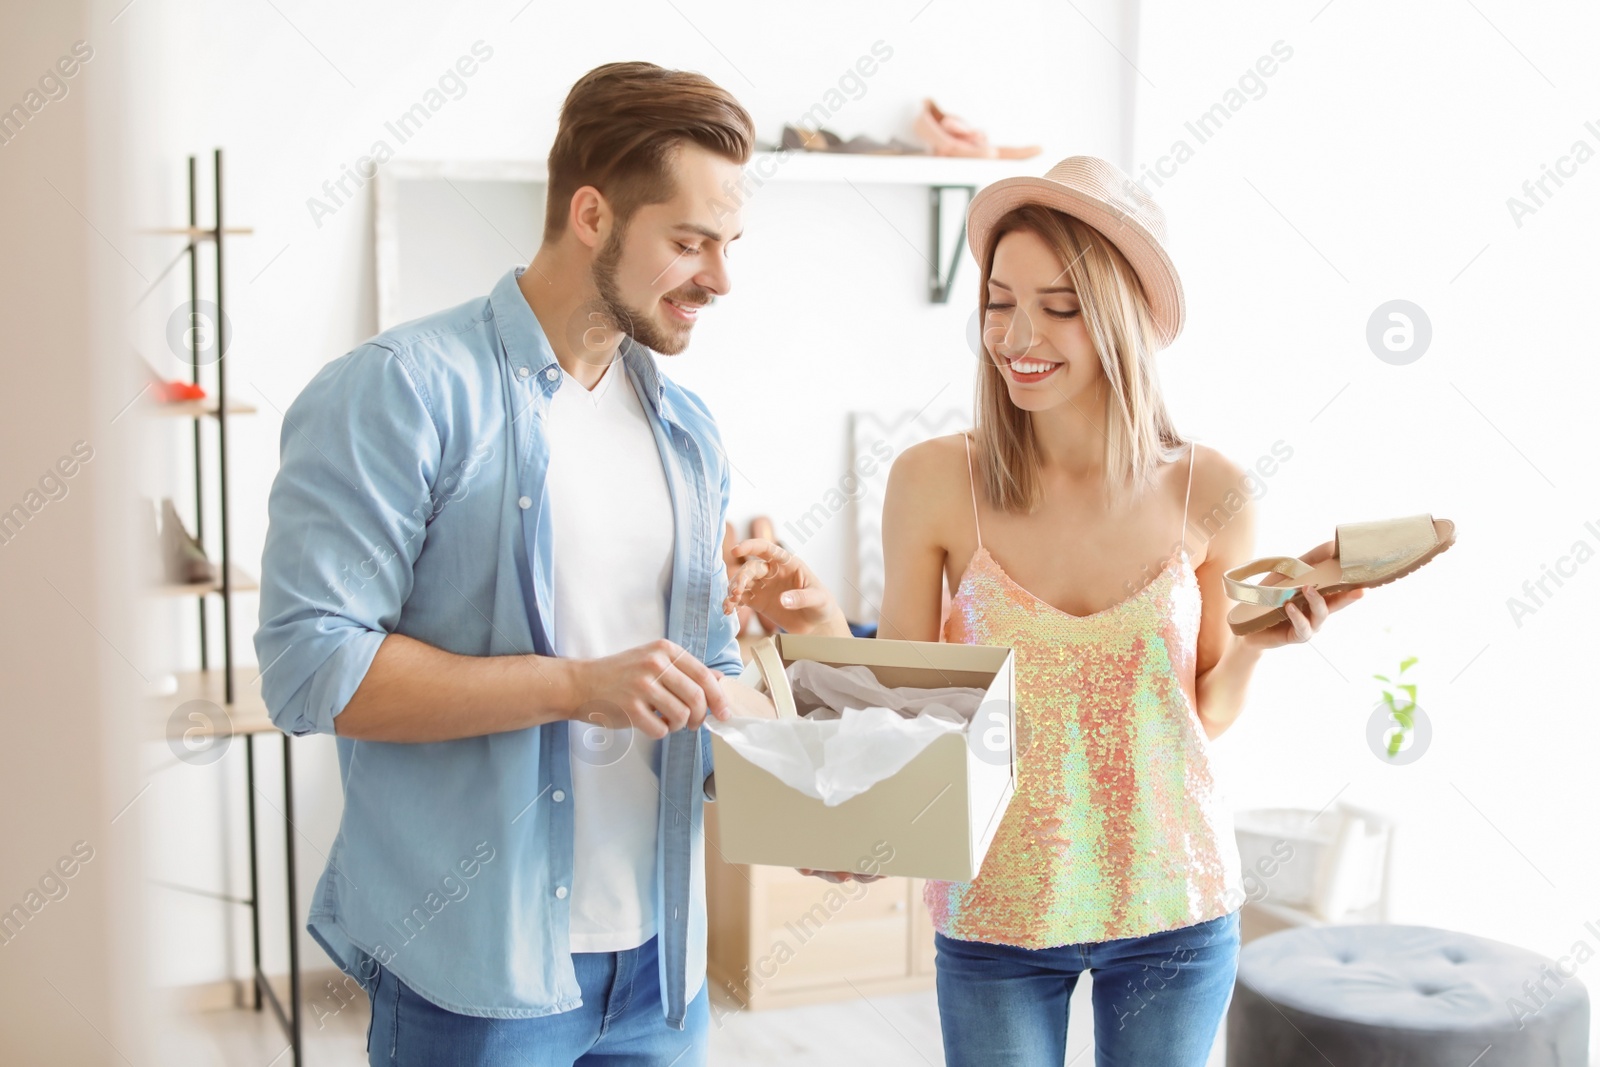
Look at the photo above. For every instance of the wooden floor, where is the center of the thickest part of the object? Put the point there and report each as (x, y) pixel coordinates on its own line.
(882, 1031)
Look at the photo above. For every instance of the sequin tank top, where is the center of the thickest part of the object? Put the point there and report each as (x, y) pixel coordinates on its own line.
(1117, 828)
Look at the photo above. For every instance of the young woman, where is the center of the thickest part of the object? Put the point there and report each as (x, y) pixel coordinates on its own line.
(1076, 526)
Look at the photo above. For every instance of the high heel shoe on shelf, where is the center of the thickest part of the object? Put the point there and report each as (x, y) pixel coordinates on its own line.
(185, 559)
(1365, 555)
(947, 135)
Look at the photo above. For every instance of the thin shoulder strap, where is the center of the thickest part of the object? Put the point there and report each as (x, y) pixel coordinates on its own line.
(972, 484)
(1190, 486)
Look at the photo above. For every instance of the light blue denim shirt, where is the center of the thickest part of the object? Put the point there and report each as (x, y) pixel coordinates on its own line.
(411, 499)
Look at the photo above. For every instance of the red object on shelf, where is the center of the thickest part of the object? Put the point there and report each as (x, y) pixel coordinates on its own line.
(176, 390)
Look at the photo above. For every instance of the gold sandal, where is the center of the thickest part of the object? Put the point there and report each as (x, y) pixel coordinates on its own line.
(1365, 555)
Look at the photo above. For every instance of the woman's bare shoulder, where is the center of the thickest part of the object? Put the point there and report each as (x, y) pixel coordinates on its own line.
(931, 474)
(1222, 499)
(933, 462)
(1214, 471)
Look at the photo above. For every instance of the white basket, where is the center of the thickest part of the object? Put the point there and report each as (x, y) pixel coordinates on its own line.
(1264, 836)
(1330, 863)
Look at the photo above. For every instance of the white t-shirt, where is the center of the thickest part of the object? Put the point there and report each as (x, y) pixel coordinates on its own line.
(612, 531)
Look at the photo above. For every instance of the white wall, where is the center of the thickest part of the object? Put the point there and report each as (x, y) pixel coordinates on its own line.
(828, 311)
(1377, 165)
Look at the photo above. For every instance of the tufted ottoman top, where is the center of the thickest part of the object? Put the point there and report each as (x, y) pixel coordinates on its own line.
(1375, 990)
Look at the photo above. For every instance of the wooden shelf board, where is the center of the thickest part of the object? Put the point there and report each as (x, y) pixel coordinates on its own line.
(194, 409)
(243, 582)
(247, 713)
(197, 233)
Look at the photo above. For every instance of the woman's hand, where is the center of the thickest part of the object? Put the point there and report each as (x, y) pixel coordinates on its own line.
(1299, 626)
(779, 585)
(730, 538)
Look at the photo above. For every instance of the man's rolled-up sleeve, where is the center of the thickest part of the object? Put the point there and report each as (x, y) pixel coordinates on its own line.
(347, 515)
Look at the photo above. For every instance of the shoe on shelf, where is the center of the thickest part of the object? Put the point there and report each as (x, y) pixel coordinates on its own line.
(798, 138)
(947, 135)
(185, 559)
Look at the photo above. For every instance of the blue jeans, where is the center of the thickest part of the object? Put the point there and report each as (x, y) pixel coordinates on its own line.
(620, 1024)
(1158, 999)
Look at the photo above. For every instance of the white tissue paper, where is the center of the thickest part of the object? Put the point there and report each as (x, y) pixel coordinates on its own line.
(853, 732)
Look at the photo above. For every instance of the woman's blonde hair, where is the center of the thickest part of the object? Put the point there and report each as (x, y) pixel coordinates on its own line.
(1140, 433)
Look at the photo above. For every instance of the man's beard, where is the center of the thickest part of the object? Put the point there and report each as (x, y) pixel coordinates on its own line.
(638, 325)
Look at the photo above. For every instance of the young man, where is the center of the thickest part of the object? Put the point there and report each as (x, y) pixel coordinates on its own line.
(492, 570)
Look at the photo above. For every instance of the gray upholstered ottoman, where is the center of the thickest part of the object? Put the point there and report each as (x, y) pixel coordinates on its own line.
(1376, 996)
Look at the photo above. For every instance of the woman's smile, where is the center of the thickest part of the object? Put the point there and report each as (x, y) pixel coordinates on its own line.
(1029, 369)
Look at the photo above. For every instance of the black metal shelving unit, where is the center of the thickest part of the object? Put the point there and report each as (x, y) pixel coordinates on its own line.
(220, 681)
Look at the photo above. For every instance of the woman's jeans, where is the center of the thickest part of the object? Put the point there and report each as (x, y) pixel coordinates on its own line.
(1158, 999)
(620, 1024)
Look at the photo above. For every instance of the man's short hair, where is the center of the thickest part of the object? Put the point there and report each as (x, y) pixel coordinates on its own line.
(621, 125)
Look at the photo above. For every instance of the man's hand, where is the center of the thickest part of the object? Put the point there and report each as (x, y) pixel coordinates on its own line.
(655, 688)
(779, 585)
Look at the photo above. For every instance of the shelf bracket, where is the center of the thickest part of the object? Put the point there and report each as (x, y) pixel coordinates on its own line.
(945, 247)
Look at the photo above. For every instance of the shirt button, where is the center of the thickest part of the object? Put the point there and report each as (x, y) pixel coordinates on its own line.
(524, 502)
(552, 374)
(561, 892)
(558, 796)
(523, 372)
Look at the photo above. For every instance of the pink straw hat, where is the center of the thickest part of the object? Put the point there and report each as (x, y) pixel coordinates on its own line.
(1092, 189)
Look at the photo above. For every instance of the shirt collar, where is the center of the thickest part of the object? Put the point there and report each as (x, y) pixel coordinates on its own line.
(526, 344)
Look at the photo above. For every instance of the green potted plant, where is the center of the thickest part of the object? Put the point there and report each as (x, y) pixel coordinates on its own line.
(1402, 705)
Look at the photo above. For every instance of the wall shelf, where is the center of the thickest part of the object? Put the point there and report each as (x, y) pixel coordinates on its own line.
(764, 166)
(198, 233)
(195, 409)
(239, 580)
(247, 713)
